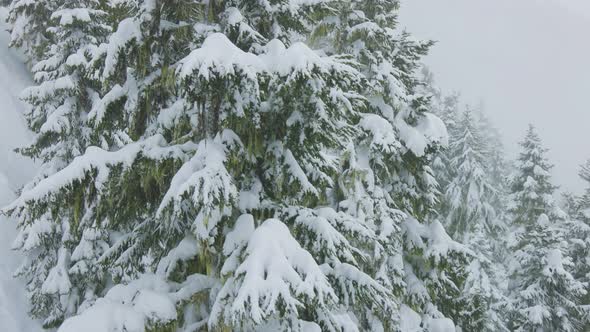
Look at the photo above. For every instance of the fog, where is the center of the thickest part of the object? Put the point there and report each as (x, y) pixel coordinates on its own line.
(526, 61)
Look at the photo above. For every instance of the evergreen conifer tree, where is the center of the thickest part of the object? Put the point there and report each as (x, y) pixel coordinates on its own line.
(583, 205)
(497, 166)
(366, 31)
(470, 192)
(59, 106)
(467, 207)
(531, 189)
(228, 177)
(578, 232)
(483, 290)
(544, 293)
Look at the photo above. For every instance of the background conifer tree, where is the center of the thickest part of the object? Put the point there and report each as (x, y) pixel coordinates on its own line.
(583, 205)
(470, 192)
(578, 232)
(468, 208)
(531, 188)
(543, 291)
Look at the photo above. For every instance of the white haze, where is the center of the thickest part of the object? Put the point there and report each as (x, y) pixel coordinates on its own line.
(527, 61)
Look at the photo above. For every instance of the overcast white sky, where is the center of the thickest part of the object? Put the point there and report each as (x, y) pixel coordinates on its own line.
(527, 60)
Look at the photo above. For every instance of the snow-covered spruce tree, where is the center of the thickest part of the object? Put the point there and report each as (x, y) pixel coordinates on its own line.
(570, 203)
(389, 60)
(470, 192)
(497, 165)
(497, 171)
(226, 106)
(583, 203)
(59, 105)
(483, 289)
(433, 265)
(582, 256)
(544, 294)
(481, 296)
(447, 109)
(65, 231)
(247, 184)
(469, 213)
(578, 232)
(461, 169)
(531, 188)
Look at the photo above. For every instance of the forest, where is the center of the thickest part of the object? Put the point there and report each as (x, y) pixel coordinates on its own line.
(275, 165)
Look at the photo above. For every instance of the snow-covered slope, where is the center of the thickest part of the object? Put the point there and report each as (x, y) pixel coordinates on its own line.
(14, 171)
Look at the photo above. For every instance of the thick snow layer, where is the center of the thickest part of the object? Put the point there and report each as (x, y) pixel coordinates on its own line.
(429, 129)
(382, 132)
(440, 325)
(127, 308)
(554, 263)
(127, 31)
(410, 320)
(68, 16)
(14, 171)
(275, 270)
(219, 56)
